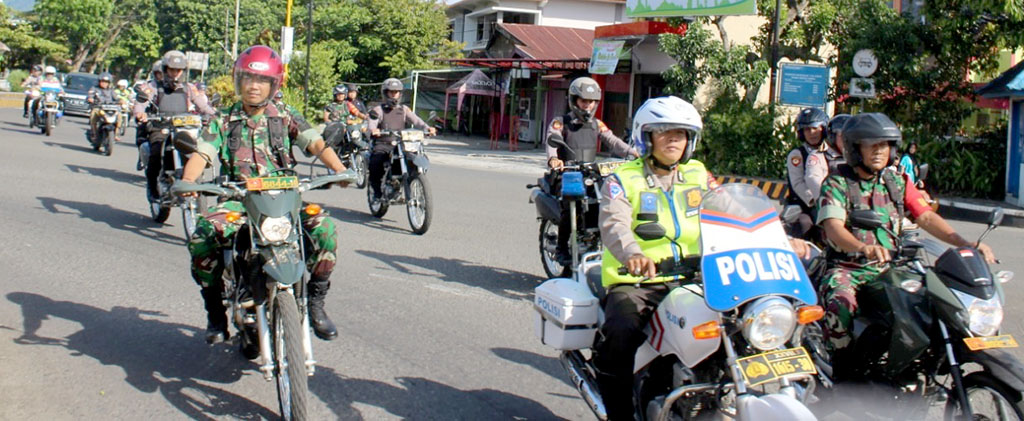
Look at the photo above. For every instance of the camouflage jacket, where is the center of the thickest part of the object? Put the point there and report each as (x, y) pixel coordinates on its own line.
(254, 154)
(834, 203)
(336, 111)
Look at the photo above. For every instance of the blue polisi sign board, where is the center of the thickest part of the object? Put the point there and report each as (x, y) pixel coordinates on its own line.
(803, 85)
(734, 277)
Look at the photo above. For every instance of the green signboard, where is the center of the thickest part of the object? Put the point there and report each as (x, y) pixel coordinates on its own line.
(658, 8)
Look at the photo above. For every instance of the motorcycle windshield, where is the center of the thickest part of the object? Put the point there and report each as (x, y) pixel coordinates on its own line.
(745, 252)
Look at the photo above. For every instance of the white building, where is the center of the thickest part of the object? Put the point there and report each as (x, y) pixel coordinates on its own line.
(474, 21)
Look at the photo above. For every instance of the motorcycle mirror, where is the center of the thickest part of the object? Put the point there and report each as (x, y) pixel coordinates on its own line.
(790, 214)
(866, 219)
(995, 218)
(373, 115)
(649, 231)
(922, 172)
(555, 140)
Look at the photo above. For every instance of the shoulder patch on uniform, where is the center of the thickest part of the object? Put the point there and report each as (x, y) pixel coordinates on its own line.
(795, 161)
(601, 127)
(614, 188)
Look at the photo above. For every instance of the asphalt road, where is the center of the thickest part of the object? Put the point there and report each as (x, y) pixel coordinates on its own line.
(99, 317)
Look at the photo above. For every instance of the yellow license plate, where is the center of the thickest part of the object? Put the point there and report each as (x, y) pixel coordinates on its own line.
(271, 183)
(763, 368)
(189, 120)
(989, 342)
(607, 168)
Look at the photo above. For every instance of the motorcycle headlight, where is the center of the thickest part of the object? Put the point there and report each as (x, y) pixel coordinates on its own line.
(768, 323)
(984, 317)
(356, 135)
(276, 229)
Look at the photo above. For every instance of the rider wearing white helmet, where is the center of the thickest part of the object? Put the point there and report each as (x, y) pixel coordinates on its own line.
(664, 187)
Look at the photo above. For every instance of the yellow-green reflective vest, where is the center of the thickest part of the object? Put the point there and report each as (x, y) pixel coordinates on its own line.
(676, 210)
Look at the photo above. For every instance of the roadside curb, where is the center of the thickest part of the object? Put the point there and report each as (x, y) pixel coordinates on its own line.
(971, 212)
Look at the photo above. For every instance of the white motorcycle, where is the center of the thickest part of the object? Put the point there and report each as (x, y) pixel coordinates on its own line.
(716, 342)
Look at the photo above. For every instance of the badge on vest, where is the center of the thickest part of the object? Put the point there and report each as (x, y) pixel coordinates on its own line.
(693, 199)
(648, 207)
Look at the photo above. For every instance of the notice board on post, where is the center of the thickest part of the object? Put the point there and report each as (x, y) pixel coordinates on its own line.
(803, 85)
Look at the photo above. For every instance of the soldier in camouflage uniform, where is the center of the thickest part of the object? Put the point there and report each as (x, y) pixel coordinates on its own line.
(871, 141)
(254, 137)
(337, 110)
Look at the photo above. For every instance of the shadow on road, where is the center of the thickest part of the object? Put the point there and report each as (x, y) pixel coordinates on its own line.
(115, 218)
(22, 127)
(503, 282)
(78, 148)
(363, 218)
(419, 398)
(148, 350)
(121, 176)
(544, 364)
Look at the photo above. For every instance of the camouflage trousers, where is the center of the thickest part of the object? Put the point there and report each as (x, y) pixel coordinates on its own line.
(214, 233)
(841, 285)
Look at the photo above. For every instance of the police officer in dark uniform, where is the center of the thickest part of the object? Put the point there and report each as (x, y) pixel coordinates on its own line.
(581, 132)
(389, 115)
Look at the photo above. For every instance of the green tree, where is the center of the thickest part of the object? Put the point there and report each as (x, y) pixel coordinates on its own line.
(79, 24)
(27, 46)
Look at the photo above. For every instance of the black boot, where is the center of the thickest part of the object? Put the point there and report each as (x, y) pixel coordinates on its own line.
(216, 316)
(322, 325)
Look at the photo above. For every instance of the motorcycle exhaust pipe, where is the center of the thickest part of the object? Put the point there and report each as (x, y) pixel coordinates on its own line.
(573, 363)
(307, 341)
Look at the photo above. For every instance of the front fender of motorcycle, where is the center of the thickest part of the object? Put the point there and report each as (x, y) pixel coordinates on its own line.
(283, 264)
(420, 161)
(1003, 365)
(771, 407)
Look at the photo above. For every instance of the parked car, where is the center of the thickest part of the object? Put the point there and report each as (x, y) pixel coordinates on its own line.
(76, 88)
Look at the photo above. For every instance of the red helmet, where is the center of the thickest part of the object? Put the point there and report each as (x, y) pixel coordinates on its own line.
(260, 61)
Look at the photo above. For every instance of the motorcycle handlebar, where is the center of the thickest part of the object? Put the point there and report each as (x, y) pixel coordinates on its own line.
(236, 189)
(686, 267)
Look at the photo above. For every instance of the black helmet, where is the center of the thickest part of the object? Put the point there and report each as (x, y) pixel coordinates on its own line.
(869, 129)
(37, 68)
(201, 86)
(353, 87)
(391, 84)
(105, 76)
(810, 117)
(835, 126)
(340, 89)
(585, 88)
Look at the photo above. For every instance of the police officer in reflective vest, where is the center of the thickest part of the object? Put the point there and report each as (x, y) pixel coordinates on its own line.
(663, 187)
(581, 132)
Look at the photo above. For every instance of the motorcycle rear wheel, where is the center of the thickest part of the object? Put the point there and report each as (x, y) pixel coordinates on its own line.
(990, 399)
(290, 359)
(548, 240)
(419, 208)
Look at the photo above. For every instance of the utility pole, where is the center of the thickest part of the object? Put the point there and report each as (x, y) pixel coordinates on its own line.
(288, 23)
(309, 52)
(234, 49)
(775, 53)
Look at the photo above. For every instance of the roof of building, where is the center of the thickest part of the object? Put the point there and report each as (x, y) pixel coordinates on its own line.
(1010, 83)
(468, 4)
(549, 42)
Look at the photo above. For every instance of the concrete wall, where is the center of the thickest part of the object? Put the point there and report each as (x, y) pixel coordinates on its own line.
(581, 14)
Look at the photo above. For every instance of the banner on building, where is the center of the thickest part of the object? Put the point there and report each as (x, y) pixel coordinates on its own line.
(657, 8)
(605, 57)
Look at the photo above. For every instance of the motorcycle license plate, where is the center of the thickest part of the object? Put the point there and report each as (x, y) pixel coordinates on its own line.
(607, 168)
(412, 146)
(271, 183)
(188, 120)
(50, 105)
(990, 342)
(772, 365)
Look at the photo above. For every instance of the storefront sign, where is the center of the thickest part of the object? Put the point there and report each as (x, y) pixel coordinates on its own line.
(804, 85)
(605, 57)
(655, 8)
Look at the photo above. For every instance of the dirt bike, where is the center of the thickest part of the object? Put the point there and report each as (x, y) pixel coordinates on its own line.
(919, 324)
(716, 342)
(180, 133)
(405, 179)
(265, 278)
(579, 190)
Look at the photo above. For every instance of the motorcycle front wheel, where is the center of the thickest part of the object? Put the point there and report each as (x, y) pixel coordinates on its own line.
(289, 358)
(377, 208)
(190, 215)
(990, 399)
(549, 250)
(108, 142)
(418, 207)
(48, 129)
(359, 166)
(157, 210)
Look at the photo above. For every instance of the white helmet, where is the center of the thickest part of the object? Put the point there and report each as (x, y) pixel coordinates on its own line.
(50, 70)
(666, 113)
(122, 83)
